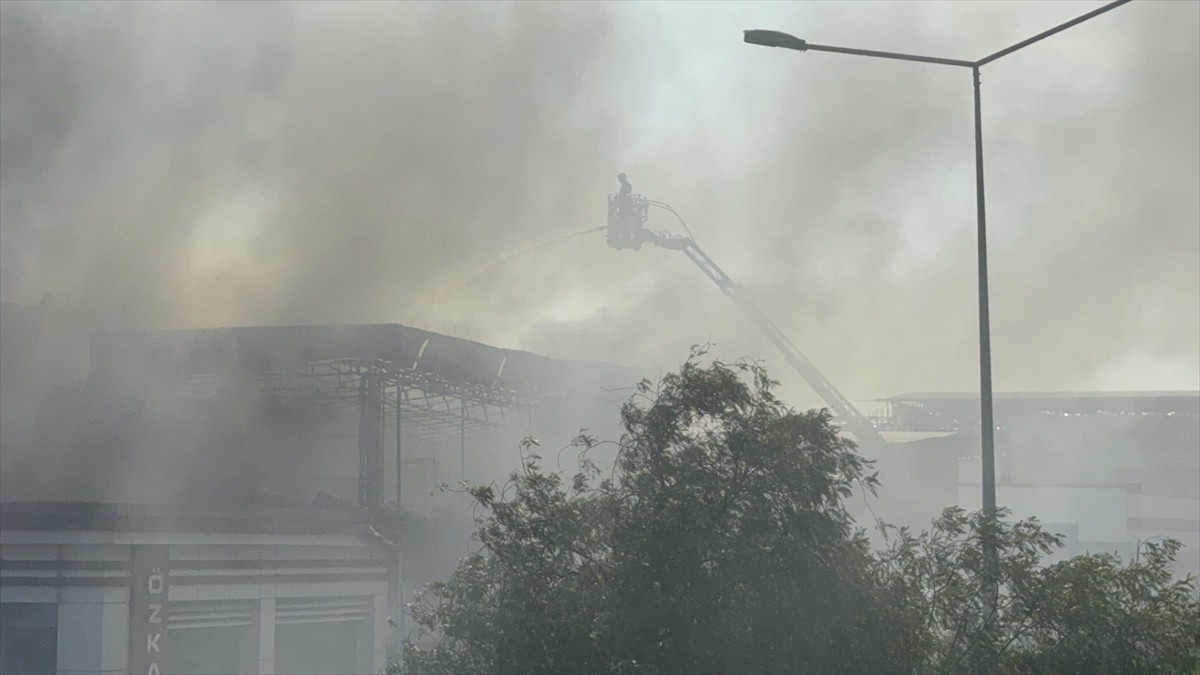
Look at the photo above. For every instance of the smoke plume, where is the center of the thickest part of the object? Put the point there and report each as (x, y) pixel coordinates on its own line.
(180, 165)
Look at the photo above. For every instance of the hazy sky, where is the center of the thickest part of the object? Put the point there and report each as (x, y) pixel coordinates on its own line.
(228, 164)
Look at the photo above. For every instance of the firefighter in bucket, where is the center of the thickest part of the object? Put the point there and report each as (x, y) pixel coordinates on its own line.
(626, 217)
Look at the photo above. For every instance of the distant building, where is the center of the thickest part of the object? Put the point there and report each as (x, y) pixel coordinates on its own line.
(1108, 470)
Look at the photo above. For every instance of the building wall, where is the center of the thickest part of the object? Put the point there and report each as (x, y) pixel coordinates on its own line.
(1109, 480)
(1098, 518)
(234, 602)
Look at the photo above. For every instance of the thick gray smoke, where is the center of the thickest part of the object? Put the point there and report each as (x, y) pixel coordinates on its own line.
(220, 164)
(217, 164)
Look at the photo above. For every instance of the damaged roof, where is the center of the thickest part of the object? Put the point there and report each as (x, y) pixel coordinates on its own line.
(256, 351)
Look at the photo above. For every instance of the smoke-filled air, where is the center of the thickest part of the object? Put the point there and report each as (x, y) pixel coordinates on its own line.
(348, 278)
(170, 165)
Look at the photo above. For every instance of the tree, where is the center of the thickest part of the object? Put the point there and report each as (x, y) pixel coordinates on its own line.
(720, 543)
(1086, 614)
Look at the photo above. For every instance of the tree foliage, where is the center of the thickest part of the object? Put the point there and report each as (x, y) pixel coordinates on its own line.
(1086, 614)
(720, 543)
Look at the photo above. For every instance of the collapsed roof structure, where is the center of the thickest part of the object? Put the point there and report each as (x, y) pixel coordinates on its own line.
(443, 382)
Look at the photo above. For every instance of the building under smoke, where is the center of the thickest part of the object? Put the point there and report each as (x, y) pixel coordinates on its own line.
(266, 499)
(1107, 470)
(259, 499)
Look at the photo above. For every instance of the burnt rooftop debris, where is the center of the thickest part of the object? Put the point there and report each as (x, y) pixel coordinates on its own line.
(440, 378)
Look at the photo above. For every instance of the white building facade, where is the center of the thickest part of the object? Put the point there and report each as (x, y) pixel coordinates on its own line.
(133, 589)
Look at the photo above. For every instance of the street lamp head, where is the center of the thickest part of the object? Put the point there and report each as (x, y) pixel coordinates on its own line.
(774, 38)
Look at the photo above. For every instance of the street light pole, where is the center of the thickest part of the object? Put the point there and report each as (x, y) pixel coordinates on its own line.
(771, 38)
(987, 456)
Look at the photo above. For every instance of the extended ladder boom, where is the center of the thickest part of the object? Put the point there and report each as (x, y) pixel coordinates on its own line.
(861, 427)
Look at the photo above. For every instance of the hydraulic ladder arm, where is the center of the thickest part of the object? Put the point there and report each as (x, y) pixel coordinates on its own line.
(626, 220)
(848, 415)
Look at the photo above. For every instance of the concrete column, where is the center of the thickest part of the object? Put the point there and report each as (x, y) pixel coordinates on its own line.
(266, 636)
(372, 638)
(249, 643)
(395, 609)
